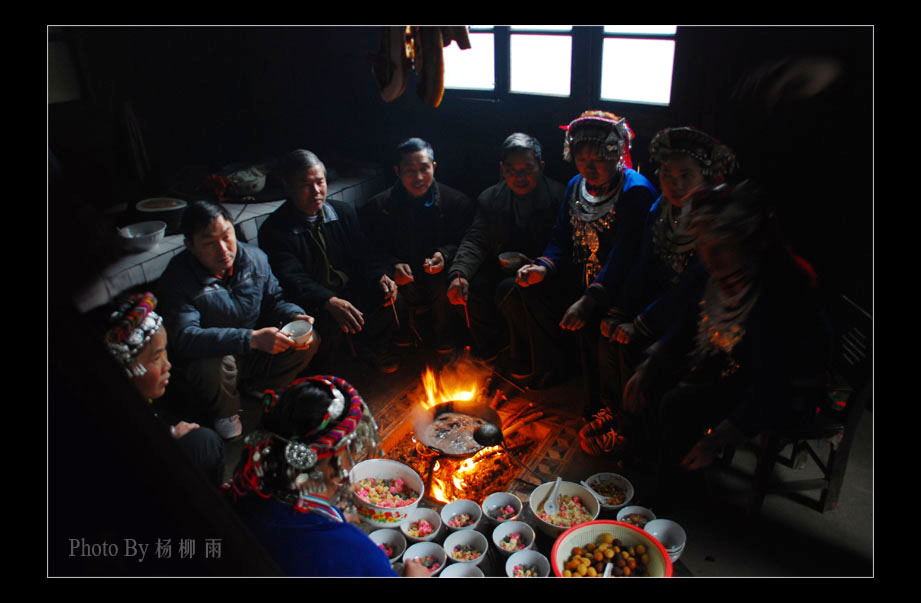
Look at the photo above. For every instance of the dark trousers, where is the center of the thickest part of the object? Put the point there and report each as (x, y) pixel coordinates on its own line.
(429, 291)
(489, 306)
(205, 449)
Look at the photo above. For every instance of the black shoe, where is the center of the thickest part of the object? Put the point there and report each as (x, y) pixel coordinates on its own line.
(520, 369)
(404, 339)
(446, 346)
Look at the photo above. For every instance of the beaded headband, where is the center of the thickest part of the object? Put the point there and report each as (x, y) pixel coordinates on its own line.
(717, 161)
(133, 323)
(613, 136)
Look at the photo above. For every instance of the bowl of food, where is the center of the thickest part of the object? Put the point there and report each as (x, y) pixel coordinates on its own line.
(577, 505)
(142, 236)
(513, 536)
(421, 525)
(636, 515)
(527, 564)
(670, 534)
(167, 209)
(299, 331)
(392, 542)
(384, 491)
(466, 546)
(511, 261)
(501, 506)
(462, 570)
(612, 490)
(461, 514)
(586, 549)
(430, 554)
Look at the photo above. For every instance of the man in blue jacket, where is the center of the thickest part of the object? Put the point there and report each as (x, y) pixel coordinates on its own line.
(223, 309)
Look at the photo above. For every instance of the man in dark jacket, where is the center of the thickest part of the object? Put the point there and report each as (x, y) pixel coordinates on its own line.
(415, 227)
(316, 248)
(514, 215)
(223, 309)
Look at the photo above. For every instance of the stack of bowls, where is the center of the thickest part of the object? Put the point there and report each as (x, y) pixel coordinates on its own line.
(380, 469)
(415, 518)
(455, 510)
(670, 534)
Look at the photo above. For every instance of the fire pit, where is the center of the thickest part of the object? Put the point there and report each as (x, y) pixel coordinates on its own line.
(438, 443)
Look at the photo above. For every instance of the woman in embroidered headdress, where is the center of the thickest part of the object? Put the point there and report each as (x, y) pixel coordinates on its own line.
(600, 221)
(639, 307)
(137, 339)
(291, 483)
(750, 355)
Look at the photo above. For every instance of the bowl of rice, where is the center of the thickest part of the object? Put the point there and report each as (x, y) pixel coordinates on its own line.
(527, 564)
(421, 525)
(384, 491)
(513, 536)
(392, 542)
(577, 505)
(466, 546)
(430, 554)
(461, 514)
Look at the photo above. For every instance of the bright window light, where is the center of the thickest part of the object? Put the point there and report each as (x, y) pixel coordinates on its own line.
(473, 68)
(637, 70)
(641, 29)
(540, 64)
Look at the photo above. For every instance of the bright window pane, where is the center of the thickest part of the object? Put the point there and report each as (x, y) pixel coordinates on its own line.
(473, 68)
(542, 27)
(642, 29)
(637, 70)
(540, 64)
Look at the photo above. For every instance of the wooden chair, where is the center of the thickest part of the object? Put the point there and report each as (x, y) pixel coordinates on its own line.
(828, 440)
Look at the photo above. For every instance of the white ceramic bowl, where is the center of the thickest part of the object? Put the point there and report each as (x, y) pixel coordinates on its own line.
(500, 500)
(507, 528)
(579, 536)
(528, 558)
(142, 236)
(461, 507)
(670, 534)
(625, 513)
(427, 549)
(461, 570)
(379, 469)
(392, 538)
(417, 515)
(470, 538)
(298, 330)
(610, 480)
(571, 489)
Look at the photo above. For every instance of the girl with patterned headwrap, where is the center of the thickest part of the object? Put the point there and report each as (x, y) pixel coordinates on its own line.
(600, 221)
(291, 484)
(639, 307)
(137, 340)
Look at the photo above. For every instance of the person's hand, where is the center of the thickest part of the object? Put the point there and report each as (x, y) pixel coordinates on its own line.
(435, 264)
(634, 397)
(181, 428)
(350, 318)
(624, 333)
(608, 327)
(390, 289)
(415, 569)
(530, 274)
(458, 291)
(577, 314)
(702, 454)
(403, 274)
(270, 340)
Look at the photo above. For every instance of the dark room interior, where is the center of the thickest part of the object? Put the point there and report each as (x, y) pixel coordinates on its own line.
(152, 111)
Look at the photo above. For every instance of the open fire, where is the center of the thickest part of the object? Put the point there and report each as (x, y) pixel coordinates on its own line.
(450, 477)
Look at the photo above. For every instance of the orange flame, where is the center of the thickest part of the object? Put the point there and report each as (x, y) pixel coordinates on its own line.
(447, 388)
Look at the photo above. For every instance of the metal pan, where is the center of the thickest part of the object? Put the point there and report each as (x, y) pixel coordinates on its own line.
(448, 428)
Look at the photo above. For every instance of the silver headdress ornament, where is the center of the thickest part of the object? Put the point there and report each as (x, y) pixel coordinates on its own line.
(132, 324)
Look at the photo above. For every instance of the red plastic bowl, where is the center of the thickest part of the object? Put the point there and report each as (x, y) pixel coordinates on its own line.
(660, 565)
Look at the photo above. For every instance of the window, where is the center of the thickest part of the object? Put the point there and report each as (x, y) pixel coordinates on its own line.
(635, 62)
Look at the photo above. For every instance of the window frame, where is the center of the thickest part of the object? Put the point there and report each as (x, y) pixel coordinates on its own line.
(585, 72)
